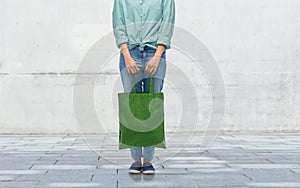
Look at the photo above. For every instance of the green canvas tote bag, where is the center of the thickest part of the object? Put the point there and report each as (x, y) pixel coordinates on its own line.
(141, 118)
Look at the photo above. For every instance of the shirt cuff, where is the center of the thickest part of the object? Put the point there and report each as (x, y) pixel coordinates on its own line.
(121, 41)
(166, 43)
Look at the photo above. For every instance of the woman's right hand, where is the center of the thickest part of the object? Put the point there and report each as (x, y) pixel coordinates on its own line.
(131, 66)
(130, 63)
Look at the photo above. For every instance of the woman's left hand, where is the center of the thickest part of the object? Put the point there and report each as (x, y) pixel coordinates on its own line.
(152, 65)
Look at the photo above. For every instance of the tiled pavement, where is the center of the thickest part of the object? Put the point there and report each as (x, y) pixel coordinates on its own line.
(233, 160)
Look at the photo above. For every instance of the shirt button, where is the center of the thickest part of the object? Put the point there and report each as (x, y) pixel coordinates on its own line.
(141, 48)
(141, 2)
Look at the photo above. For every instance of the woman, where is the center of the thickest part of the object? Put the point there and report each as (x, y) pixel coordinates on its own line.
(143, 30)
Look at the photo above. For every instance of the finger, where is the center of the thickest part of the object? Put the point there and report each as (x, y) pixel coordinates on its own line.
(130, 71)
(150, 71)
(136, 68)
(133, 70)
(147, 67)
(154, 71)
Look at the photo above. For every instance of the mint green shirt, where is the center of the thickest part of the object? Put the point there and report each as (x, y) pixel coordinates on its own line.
(143, 22)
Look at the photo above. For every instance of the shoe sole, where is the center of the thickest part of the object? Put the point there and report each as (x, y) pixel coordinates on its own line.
(149, 172)
(134, 171)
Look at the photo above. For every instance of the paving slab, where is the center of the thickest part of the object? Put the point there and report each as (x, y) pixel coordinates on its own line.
(18, 184)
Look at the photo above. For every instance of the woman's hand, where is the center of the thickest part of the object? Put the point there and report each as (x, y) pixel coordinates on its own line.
(154, 61)
(131, 66)
(152, 65)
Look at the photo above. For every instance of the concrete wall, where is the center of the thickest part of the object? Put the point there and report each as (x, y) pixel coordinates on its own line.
(256, 44)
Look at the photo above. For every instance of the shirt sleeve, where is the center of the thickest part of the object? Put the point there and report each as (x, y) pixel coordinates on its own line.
(118, 23)
(166, 29)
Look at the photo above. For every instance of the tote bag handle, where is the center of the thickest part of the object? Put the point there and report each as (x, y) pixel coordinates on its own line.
(150, 85)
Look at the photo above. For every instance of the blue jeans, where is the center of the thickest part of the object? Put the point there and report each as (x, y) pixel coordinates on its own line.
(141, 81)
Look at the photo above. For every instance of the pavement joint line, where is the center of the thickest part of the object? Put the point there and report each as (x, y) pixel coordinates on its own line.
(30, 166)
(270, 161)
(247, 176)
(92, 176)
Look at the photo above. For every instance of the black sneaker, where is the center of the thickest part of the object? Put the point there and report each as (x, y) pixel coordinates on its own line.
(135, 168)
(148, 168)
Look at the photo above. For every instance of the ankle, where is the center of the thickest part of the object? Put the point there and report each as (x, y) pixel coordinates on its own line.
(148, 161)
(138, 160)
